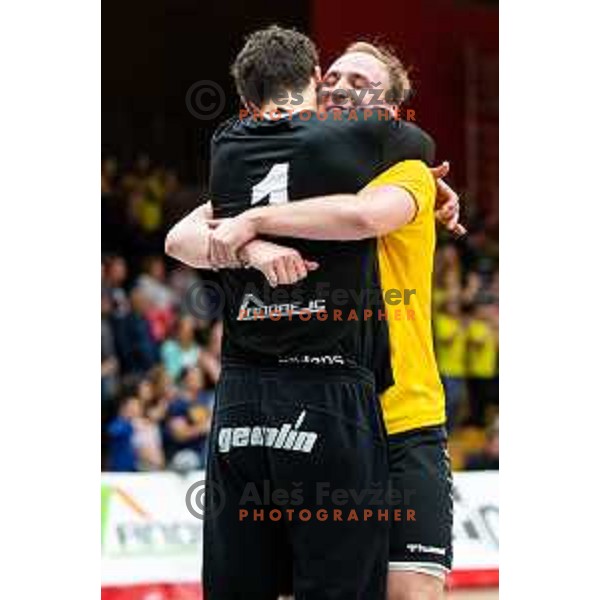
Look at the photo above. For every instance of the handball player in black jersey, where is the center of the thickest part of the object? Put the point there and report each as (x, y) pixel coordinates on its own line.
(297, 401)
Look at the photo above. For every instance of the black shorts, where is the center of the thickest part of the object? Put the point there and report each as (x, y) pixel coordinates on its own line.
(287, 449)
(421, 478)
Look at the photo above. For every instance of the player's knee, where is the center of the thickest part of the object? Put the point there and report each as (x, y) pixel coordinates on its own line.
(406, 585)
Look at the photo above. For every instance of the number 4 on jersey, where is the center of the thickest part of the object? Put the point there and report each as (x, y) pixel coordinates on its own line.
(274, 185)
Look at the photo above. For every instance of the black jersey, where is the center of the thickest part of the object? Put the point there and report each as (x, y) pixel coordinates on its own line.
(321, 319)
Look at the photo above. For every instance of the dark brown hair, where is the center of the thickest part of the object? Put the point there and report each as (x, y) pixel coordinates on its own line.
(273, 60)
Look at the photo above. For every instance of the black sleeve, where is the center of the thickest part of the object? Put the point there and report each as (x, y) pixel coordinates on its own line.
(215, 145)
(404, 141)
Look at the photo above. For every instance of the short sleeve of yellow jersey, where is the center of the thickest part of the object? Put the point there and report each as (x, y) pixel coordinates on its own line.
(415, 177)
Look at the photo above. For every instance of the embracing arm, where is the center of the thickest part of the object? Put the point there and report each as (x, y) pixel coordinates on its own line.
(373, 212)
(189, 239)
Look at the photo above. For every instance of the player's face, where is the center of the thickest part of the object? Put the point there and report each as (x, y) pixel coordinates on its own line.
(354, 71)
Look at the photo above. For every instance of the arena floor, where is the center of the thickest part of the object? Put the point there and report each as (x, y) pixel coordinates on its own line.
(487, 594)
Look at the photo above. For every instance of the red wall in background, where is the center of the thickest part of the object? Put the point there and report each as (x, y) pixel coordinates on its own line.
(431, 36)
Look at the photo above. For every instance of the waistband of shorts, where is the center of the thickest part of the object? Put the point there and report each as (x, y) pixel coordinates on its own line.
(238, 369)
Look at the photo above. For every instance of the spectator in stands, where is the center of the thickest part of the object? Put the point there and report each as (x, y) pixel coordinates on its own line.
(187, 422)
(109, 362)
(182, 351)
(115, 277)
(160, 296)
(451, 346)
(162, 386)
(156, 392)
(473, 288)
(145, 189)
(135, 442)
(147, 439)
(447, 275)
(136, 178)
(120, 433)
(108, 182)
(139, 350)
(153, 282)
(489, 458)
(181, 279)
(482, 362)
(148, 203)
(144, 390)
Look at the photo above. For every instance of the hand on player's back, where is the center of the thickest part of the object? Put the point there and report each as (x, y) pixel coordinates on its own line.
(447, 202)
(279, 264)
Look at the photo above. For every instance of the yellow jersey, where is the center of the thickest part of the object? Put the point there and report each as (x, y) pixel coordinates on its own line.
(482, 351)
(451, 338)
(406, 263)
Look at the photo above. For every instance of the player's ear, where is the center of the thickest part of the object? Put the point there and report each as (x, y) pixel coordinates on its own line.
(317, 74)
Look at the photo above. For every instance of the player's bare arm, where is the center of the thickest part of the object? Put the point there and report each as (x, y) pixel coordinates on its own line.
(371, 213)
(334, 218)
(189, 242)
(279, 264)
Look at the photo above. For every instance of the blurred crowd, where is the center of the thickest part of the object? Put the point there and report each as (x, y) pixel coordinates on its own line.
(161, 359)
(140, 200)
(466, 333)
(160, 364)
